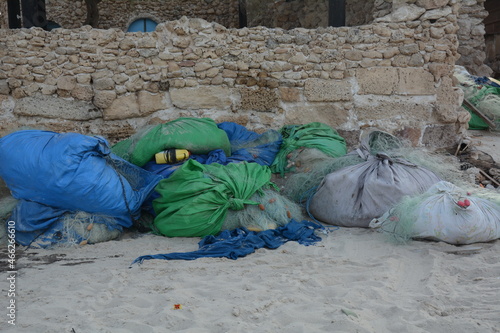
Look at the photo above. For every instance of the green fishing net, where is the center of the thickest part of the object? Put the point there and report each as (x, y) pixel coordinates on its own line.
(312, 135)
(198, 135)
(197, 200)
(485, 97)
(313, 166)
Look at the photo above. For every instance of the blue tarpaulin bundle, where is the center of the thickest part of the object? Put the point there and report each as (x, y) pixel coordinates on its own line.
(241, 242)
(53, 174)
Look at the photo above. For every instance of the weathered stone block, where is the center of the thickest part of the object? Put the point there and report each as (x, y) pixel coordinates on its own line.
(431, 4)
(317, 90)
(354, 55)
(331, 114)
(55, 108)
(448, 101)
(122, 108)
(415, 81)
(289, 94)
(403, 14)
(104, 84)
(436, 14)
(104, 98)
(66, 82)
(259, 99)
(83, 78)
(393, 108)
(201, 98)
(149, 103)
(83, 92)
(377, 81)
(4, 87)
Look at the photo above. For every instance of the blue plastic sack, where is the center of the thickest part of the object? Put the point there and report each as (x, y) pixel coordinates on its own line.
(73, 172)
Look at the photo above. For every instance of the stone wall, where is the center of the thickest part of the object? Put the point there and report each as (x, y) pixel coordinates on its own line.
(120, 13)
(314, 14)
(471, 37)
(394, 75)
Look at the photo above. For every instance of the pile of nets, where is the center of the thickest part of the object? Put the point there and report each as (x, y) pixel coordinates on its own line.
(354, 195)
(61, 178)
(195, 201)
(445, 212)
(41, 226)
(273, 210)
(301, 185)
(244, 146)
(484, 94)
(197, 135)
(318, 136)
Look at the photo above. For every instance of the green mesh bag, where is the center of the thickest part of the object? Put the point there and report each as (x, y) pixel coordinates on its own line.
(198, 135)
(195, 199)
(313, 135)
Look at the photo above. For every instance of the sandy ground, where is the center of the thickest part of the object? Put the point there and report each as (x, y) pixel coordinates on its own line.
(488, 142)
(354, 280)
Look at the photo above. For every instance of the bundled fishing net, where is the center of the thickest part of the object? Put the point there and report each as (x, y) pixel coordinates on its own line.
(445, 213)
(483, 94)
(301, 184)
(313, 135)
(274, 210)
(354, 195)
(310, 166)
(197, 135)
(196, 199)
(87, 228)
(41, 226)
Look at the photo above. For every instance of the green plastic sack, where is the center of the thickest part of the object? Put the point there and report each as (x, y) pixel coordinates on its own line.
(198, 135)
(195, 199)
(313, 135)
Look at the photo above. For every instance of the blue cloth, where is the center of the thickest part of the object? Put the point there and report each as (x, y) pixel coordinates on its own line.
(237, 243)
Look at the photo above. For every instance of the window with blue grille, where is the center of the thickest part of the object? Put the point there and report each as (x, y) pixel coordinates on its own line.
(142, 25)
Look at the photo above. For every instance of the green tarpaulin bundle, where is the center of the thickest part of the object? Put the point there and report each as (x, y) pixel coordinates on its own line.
(194, 201)
(312, 135)
(198, 135)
